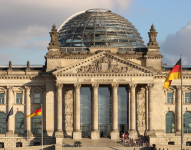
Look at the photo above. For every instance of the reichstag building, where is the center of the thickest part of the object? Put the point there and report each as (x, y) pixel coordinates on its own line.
(99, 80)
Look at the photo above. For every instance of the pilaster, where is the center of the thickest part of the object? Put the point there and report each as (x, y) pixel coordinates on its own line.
(59, 132)
(77, 132)
(9, 106)
(114, 133)
(95, 132)
(28, 109)
(133, 131)
(150, 131)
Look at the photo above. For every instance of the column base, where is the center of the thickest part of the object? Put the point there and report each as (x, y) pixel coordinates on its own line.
(58, 146)
(29, 133)
(133, 134)
(178, 133)
(114, 135)
(150, 133)
(9, 133)
(77, 135)
(59, 134)
(95, 135)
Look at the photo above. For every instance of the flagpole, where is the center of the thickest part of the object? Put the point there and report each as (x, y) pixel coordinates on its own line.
(27, 134)
(42, 124)
(182, 142)
(13, 128)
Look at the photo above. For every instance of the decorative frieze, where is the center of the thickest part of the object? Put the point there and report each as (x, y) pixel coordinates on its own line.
(141, 109)
(68, 110)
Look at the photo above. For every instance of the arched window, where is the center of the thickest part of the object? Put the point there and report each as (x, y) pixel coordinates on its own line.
(36, 125)
(19, 123)
(2, 123)
(170, 122)
(187, 122)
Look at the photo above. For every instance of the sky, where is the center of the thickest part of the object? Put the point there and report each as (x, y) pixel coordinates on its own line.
(25, 25)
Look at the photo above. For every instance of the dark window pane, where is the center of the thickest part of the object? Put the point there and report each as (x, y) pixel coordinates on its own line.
(19, 123)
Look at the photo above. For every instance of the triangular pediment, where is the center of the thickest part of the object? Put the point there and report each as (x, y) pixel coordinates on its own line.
(103, 62)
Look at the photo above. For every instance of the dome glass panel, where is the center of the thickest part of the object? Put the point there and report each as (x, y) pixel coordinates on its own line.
(99, 27)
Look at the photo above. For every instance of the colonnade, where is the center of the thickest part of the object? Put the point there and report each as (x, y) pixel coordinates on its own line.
(95, 133)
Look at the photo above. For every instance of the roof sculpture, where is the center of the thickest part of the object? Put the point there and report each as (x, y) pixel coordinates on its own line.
(99, 27)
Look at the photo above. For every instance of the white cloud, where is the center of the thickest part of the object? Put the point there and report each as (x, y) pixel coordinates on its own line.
(177, 44)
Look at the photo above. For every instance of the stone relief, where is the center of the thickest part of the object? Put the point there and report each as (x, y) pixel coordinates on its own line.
(68, 110)
(105, 65)
(141, 108)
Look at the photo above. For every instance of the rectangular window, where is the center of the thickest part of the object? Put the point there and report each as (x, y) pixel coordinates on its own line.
(1, 98)
(187, 97)
(19, 98)
(37, 98)
(169, 97)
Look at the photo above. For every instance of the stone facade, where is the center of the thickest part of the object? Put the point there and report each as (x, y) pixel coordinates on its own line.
(64, 73)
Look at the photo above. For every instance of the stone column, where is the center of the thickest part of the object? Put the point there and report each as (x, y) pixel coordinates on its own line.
(150, 111)
(95, 132)
(59, 132)
(10, 103)
(178, 111)
(28, 109)
(77, 132)
(133, 130)
(114, 133)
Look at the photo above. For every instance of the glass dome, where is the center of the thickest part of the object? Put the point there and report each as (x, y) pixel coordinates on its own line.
(99, 27)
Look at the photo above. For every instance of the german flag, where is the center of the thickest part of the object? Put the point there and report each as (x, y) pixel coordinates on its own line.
(37, 112)
(175, 73)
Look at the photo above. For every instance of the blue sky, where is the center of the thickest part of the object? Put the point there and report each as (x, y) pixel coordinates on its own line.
(25, 25)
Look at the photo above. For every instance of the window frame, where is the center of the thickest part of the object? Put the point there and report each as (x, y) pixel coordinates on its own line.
(186, 122)
(5, 123)
(4, 91)
(169, 122)
(19, 97)
(19, 90)
(185, 97)
(39, 98)
(17, 123)
(172, 97)
(3, 98)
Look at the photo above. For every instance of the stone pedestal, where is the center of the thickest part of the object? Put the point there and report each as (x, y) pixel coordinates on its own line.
(9, 133)
(95, 135)
(77, 135)
(58, 146)
(150, 133)
(178, 133)
(114, 135)
(59, 134)
(133, 134)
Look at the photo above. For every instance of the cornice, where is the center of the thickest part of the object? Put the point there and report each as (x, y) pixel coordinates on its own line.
(17, 77)
(104, 75)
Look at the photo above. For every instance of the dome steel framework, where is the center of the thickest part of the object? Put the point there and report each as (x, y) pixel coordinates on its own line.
(99, 27)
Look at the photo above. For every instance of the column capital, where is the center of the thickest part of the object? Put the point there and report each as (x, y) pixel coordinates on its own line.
(114, 85)
(59, 85)
(150, 85)
(77, 85)
(132, 85)
(10, 87)
(27, 88)
(95, 85)
(178, 87)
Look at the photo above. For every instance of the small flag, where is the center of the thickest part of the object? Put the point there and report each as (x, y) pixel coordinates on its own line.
(10, 113)
(175, 73)
(37, 112)
(39, 123)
